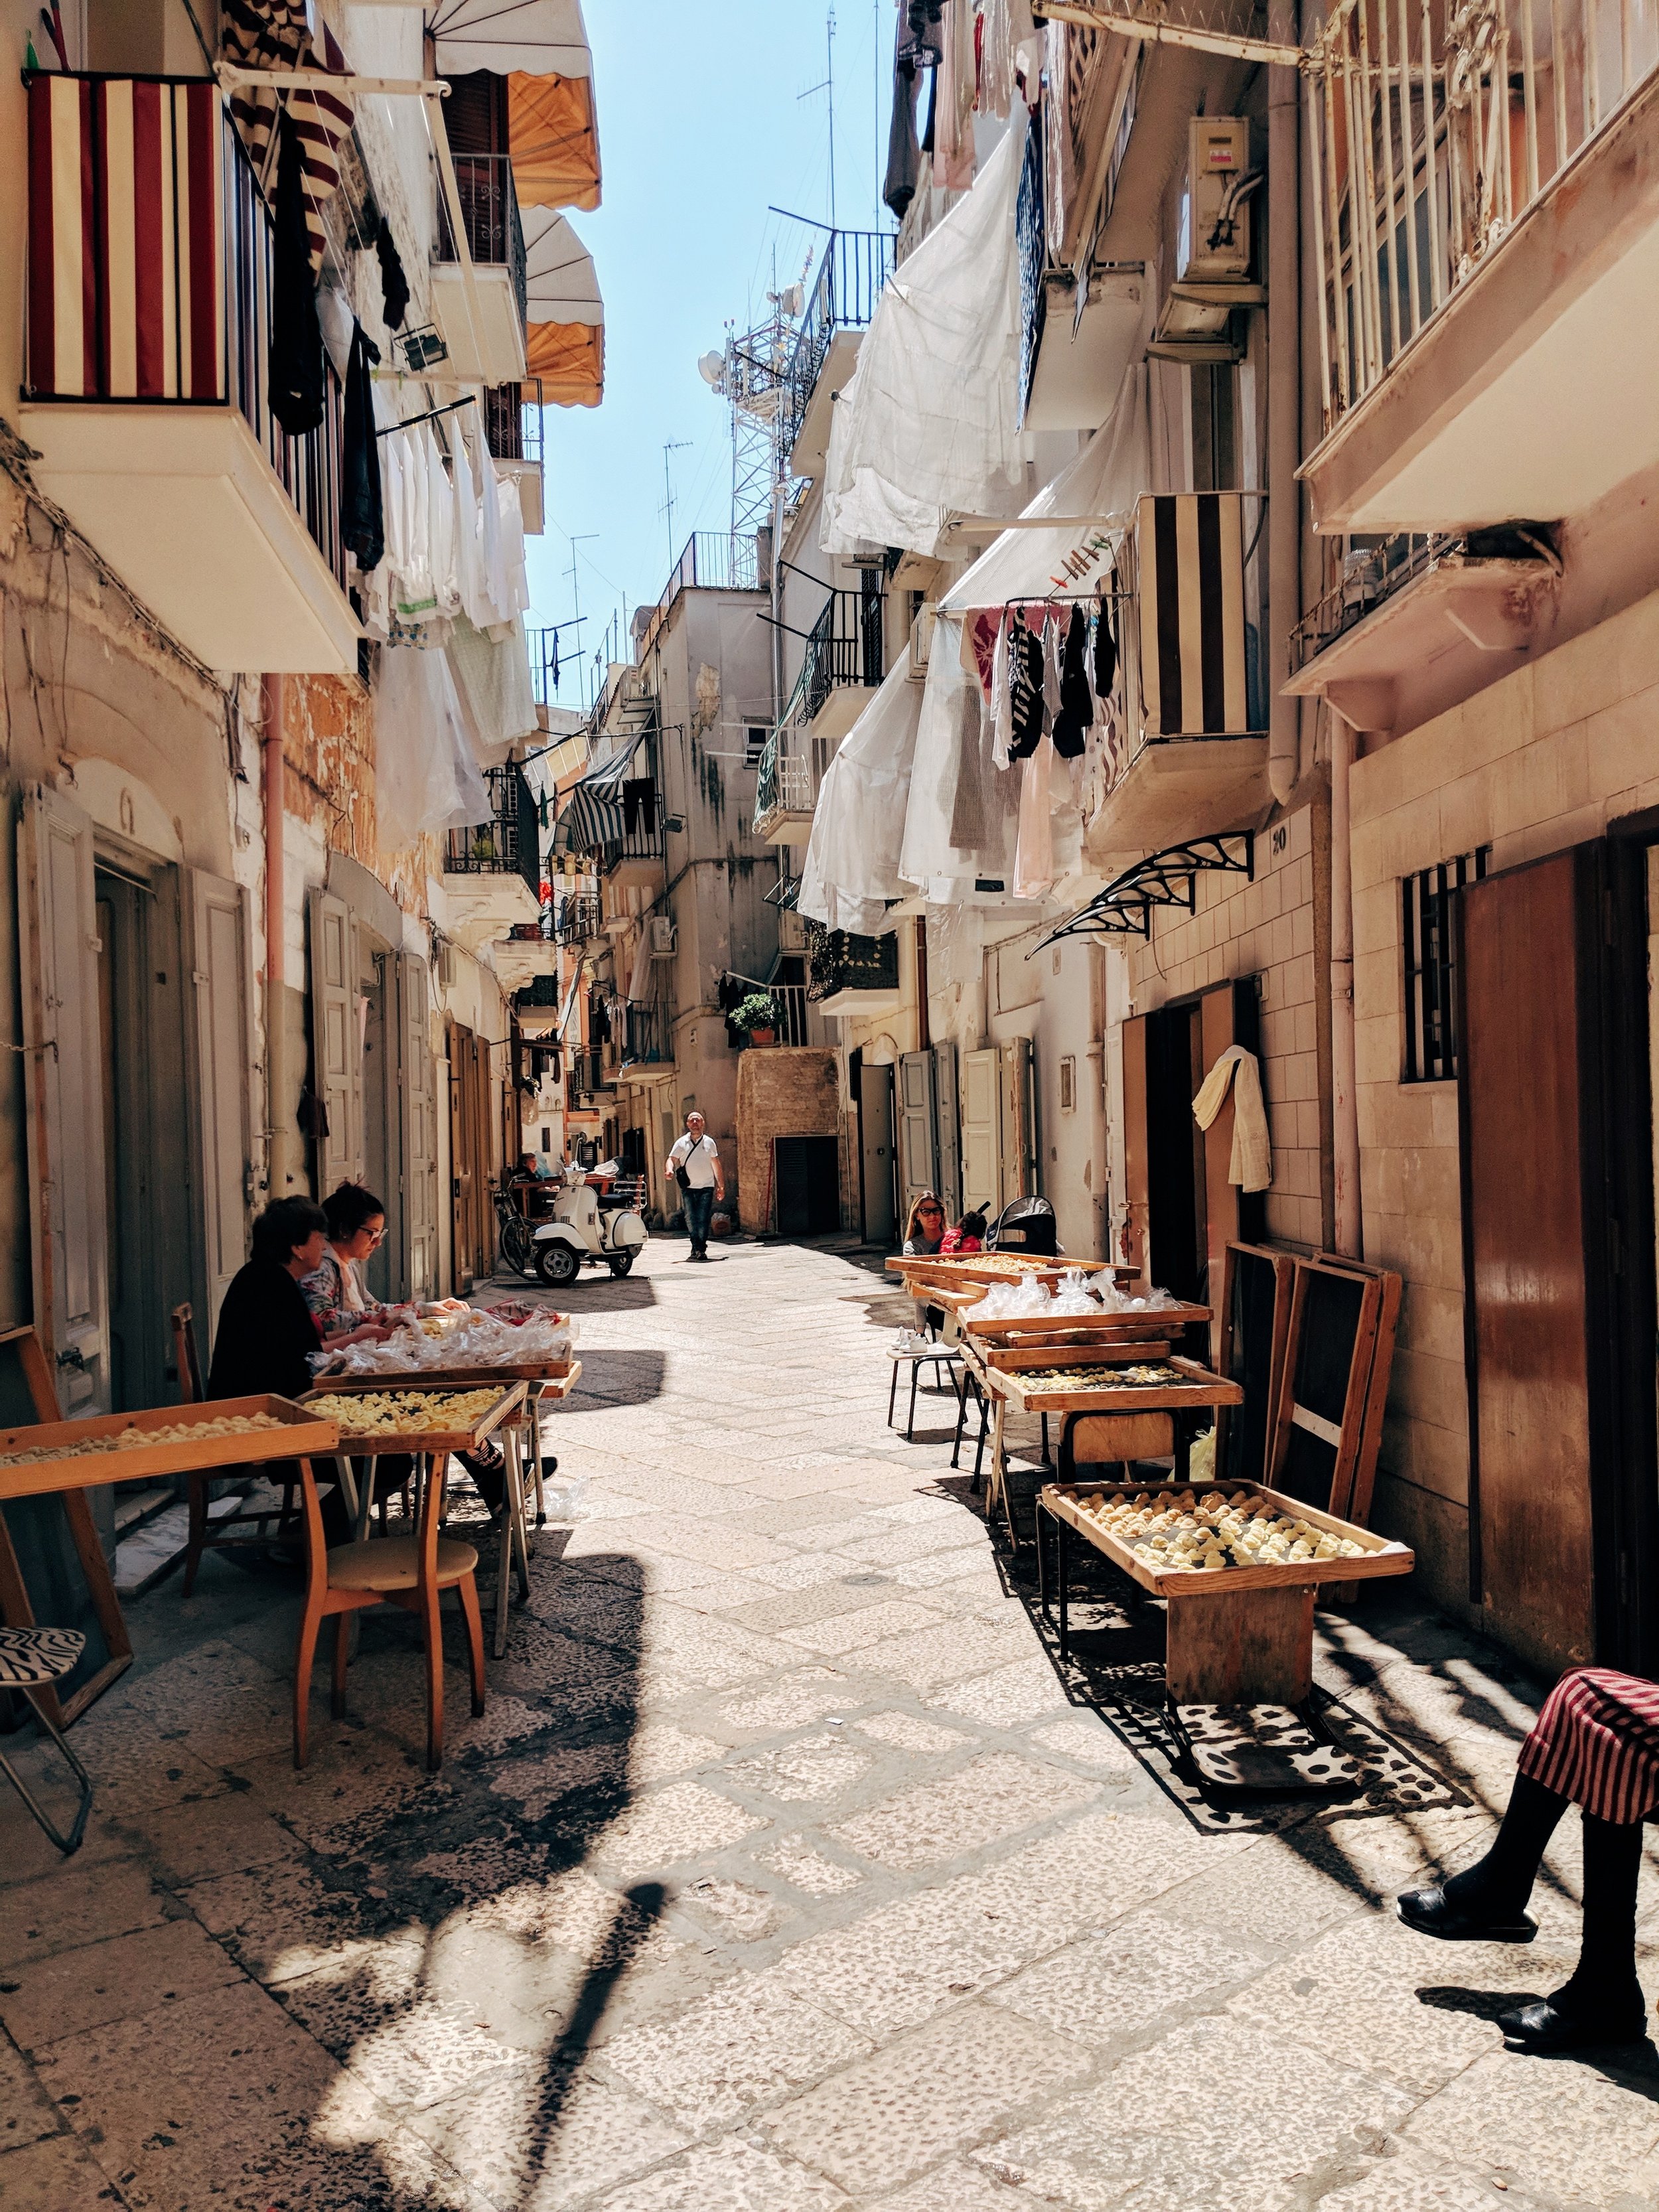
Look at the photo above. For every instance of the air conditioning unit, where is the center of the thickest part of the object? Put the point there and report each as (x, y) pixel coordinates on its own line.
(1214, 246)
(662, 937)
(792, 932)
(444, 965)
(921, 640)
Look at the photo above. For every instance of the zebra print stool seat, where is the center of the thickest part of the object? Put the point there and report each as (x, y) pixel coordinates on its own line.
(30, 1660)
(32, 1656)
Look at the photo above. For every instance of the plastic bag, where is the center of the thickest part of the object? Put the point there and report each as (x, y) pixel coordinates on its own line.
(475, 1338)
(1074, 1295)
(566, 1497)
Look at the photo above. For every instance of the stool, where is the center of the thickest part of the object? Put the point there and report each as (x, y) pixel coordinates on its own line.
(30, 1659)
(918, 1357)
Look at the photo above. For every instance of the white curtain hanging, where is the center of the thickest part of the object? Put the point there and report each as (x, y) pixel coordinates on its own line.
(928, 425)
(425, 775)
(850, 874)
(962, 814)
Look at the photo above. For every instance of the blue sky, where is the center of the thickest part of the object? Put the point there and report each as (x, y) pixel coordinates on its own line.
(700, 128)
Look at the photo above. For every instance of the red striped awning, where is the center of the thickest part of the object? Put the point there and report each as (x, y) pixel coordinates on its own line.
(277, 34)
(126, 224)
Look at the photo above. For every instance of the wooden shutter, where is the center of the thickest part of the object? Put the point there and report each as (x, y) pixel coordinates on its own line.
(947, 1127)
(981, 1130)
(419, 1130)
(1227, 1016)
(219, 1046)
(64, 1077)
(336, 1059)
(1137, 1168)
(1018, 1146)
(918, 1166)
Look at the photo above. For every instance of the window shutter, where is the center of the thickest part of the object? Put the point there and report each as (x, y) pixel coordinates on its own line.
(420, 1132)
(218, 1044)
(981, 1119)
(947, 1123)
(336, 1059)
(1137, 1174)
(918, 1169)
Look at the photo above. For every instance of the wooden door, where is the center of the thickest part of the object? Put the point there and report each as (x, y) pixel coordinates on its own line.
(982, 1131)
(219, 1051)
(1135, 1240)
(1019, 1102)
(1227, 1016)
(948, 1127)
(463, 1135)
(1523, 1003)
(876, 1154)
(419, 1147)
(59, 945)
(335, 1057)
(917, 1161)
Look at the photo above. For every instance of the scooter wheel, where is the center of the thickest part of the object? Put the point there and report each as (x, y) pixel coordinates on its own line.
(621, 1264)
(557, 1265)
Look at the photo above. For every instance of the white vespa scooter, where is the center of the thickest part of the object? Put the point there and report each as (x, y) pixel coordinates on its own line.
(587, 1225)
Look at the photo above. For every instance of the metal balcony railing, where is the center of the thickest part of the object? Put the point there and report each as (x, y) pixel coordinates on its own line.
(1371, 572)
(513, 421)
(490, 219)
(186, 358)
(790, 999)
(576, 917)
(1431, 131)
(509, 843)
(649, 1039)
(837, 961)
(844, 646)
(713, 561)
(854, 266)
(640, 805)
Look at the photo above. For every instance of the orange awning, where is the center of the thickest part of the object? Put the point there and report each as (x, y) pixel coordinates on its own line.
(569, 358)
(553, 142)
(564, 314)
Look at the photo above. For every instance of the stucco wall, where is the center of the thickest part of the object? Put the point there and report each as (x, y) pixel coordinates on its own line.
(1273, 927)
(1541, 761)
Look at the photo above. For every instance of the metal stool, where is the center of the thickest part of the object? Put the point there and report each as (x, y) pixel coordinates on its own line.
(923, 1355)
(30, 1658)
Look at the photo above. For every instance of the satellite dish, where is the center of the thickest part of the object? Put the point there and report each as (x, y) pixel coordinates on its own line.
(792, 299)
(711, 367)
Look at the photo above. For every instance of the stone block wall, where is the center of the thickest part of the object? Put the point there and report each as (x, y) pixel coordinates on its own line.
(783, 1090)
(1539, 761)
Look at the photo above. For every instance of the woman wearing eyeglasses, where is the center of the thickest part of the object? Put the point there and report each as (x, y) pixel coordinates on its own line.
(339, 1303)
(924, 1232)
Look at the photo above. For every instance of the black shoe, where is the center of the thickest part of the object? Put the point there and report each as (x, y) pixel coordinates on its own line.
(1545, 2027)
(1431, 1912)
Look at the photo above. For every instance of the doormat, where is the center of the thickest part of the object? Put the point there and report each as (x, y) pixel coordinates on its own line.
(1115, 1668)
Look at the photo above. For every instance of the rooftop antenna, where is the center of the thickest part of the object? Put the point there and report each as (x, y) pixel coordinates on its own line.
(828, 85)
(576, 596)
(669, 446)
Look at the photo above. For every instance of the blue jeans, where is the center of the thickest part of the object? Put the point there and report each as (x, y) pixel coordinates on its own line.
(699, 1205)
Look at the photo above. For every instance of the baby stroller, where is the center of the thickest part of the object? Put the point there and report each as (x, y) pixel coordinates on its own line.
(1024, 1225)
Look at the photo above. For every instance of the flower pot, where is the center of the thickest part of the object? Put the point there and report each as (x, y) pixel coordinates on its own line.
(763, 1036)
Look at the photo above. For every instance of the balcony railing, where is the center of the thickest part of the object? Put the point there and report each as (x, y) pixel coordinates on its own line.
(490, 219)
(639, 804)
(649, 1040)
(509, 843)
(844, 646)
(713, 562)
(1431, 131)
(576, 917)
(838, 961)
(513, 421)
(854, 266)
(136, 344)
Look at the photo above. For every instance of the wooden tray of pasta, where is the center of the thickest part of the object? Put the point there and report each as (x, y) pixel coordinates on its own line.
(1186, 1383)
(459, 1417)
(1363, 1554)
(159, 1441)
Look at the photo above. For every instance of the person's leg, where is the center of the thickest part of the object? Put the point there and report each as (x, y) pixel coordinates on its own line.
(1487, 1902)
(1603, 2002)
(699, 1208)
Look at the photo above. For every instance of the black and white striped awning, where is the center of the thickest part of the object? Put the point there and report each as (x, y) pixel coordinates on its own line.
(592, 815)
(1190, 553)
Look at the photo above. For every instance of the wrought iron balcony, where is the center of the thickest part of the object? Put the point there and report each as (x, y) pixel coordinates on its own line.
(576, 917)
(837, 961)
(509, 843)
(853, 268)
(488, 207)
(650, 1039)
(513, 434)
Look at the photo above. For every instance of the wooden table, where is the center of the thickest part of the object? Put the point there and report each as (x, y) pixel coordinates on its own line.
(430, 1449)
(1236, 1636)
(1140, 1421)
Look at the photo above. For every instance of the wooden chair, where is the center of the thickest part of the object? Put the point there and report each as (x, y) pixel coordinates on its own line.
(208, 1533)
(412, 1571)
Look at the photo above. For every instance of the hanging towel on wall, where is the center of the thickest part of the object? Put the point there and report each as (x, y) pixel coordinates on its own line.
(1077, 702)
(394, 285)
(1252, 1162)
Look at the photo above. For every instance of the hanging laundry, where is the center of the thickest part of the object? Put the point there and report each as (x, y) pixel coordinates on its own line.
(492, 681)
(441, 494)
(953, 99)
(1027, 710)
(1034, 850)
(971, 805)
(1031, 245)
(1002, 726)
(362, 513)
(922, 36)
(476, 604)
(1054, 645)
(297, 375)
(394, 284)
(639, 802)
(903, 149)
(1105, 668)
(510, 521)
(1077, 701)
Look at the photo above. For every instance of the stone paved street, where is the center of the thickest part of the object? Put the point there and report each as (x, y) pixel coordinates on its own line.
(780, 1875)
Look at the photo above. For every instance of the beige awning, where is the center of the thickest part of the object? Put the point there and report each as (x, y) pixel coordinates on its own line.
(564, 314)
(541, 47)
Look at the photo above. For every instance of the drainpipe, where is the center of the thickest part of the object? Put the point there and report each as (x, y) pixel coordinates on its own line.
(1100, 1173)
(276, 1149)
(1347, 1227)
(1284, 401)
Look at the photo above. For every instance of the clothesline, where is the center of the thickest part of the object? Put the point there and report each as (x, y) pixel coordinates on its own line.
(431, 416)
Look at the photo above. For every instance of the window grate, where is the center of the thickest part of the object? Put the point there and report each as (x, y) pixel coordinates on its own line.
(1430, 965)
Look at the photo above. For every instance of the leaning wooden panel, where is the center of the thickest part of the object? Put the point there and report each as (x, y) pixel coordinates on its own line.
(1255, 1318)
(47, 1458)
(1322, 1391)
(1390, 1287)
(1378, 1555)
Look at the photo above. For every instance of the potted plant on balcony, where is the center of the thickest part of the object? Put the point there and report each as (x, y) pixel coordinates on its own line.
(756, 1016)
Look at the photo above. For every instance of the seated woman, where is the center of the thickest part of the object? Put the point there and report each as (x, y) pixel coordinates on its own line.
(924, 1233)
(267, 1332)
(1595, 1745)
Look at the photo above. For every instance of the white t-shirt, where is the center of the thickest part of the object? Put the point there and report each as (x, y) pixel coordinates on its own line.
(698, 1160)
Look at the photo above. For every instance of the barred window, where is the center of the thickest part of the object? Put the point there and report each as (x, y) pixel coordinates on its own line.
(1430, 965)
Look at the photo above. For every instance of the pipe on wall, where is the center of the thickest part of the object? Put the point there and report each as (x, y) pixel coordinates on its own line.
(271, 749)
(1348, 1234)
(1099, 1130)
(1284, 401)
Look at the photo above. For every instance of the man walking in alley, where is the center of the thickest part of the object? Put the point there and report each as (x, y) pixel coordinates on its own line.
(694, 1164)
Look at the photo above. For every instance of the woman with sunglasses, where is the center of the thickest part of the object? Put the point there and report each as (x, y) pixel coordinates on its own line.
(924, 1232)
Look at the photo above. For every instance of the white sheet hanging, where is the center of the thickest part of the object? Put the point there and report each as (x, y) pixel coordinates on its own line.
(850, 874)
(492, 685)
(425, 775)
(929, 424)
(1107, 479)
(931, 860)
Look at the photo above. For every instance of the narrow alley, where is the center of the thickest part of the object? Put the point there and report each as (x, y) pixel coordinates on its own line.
(784, 1872)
